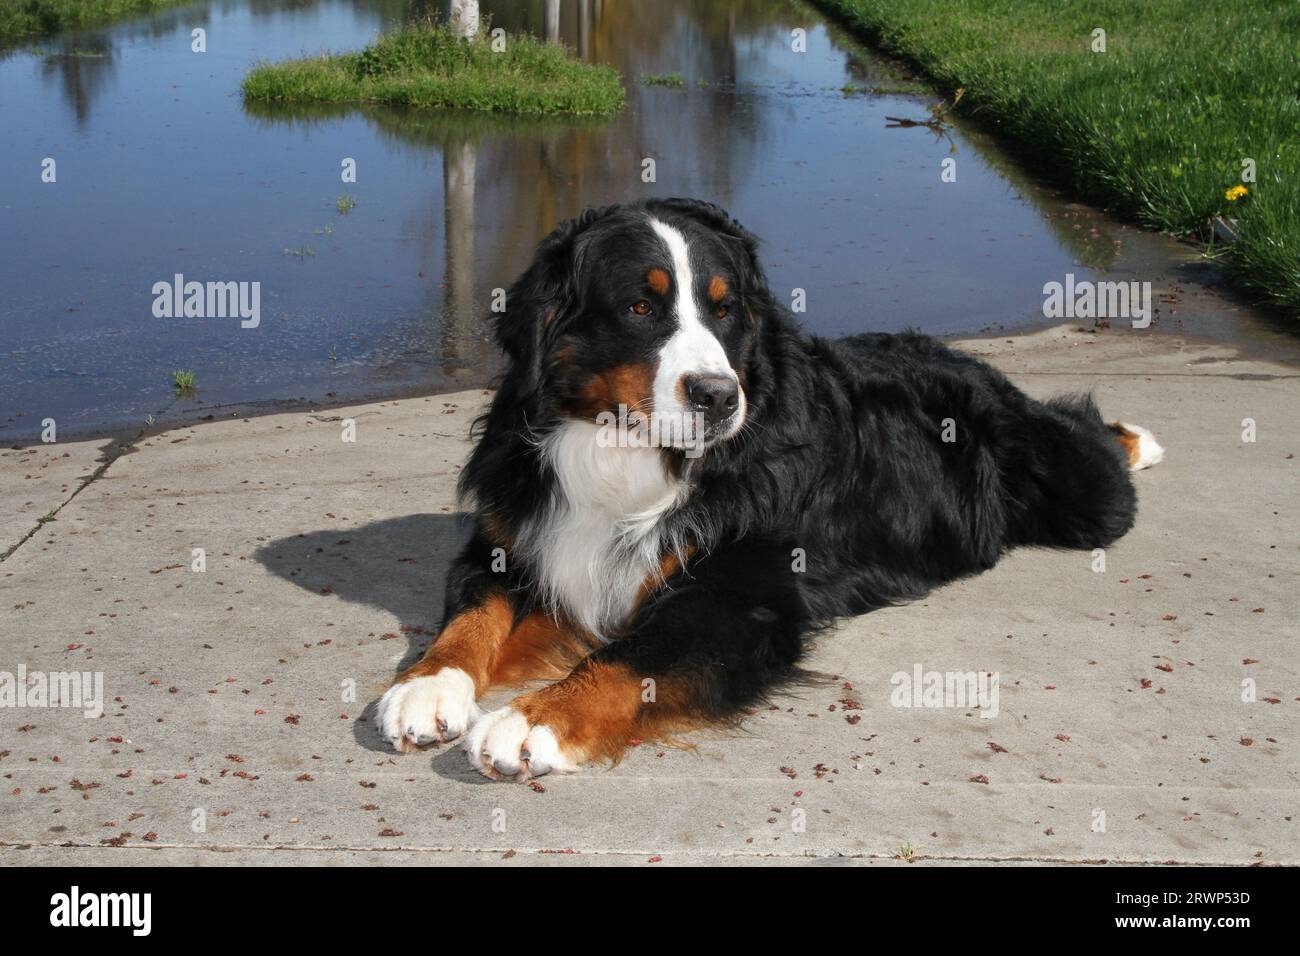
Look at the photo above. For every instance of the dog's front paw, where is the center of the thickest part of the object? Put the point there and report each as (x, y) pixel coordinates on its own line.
(503, 745)
(423, 710)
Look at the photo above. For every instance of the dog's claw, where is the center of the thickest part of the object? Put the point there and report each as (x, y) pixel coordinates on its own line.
(503, 745)
(425, 710)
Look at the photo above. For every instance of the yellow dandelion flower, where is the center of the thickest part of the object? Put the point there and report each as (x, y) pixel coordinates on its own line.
(1235, 193)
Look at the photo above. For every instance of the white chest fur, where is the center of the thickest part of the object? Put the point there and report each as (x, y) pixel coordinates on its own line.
(602, 537)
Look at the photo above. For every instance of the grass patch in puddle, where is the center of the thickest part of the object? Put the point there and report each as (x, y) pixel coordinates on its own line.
(40, 18)
(896, 89)
(430, 66)
(1157, 127)
(185, 381)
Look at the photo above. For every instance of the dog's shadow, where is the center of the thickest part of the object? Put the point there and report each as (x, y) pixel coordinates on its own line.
(399, 565)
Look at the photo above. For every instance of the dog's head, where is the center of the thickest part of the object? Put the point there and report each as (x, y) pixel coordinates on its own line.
(651, 308)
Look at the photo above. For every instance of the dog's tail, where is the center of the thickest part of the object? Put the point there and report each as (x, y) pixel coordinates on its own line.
(1141, 446)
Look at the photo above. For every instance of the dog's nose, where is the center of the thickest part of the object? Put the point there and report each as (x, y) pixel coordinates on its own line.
(714, 395)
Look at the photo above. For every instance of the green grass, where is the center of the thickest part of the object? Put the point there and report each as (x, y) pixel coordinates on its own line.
(429, 66)
(184, 380)
(39, 18)
(75, 53)
(1155, 128)
(345, 204)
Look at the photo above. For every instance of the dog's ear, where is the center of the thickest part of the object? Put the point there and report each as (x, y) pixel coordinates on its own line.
(742, 243)
(544, 293)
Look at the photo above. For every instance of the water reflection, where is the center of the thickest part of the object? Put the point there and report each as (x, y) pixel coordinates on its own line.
(80, 68)
(508, 180)
(164, 169)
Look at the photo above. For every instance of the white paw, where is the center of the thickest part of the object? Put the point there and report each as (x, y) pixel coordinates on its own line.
(1149, 451)
(426, 710)
(502, 744)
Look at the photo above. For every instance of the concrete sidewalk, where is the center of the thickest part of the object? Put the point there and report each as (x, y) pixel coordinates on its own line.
(237, 701)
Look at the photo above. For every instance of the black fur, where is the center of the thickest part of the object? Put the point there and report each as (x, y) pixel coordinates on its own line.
(842, 458)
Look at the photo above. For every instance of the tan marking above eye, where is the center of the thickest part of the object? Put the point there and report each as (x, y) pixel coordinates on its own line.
(657, 279)
(717, 288)
(641, 308)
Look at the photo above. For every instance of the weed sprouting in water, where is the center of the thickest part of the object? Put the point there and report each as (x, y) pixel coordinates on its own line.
(938, 121)
(671, 80)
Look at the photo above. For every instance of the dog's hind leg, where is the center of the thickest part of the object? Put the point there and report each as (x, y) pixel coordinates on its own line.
(1140, 445)
(1073, 488)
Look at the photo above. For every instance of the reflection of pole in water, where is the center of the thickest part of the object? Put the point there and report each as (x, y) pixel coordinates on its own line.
(82, 67)
(584, 29)
(551, 24)
(461, 16)
(458, 332)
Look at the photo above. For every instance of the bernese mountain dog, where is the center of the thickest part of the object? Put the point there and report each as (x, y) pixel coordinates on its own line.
(675, 487)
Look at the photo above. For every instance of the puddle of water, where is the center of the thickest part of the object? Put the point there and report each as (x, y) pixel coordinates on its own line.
(161, 169)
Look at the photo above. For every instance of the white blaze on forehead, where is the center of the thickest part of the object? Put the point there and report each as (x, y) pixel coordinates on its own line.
(692, 349)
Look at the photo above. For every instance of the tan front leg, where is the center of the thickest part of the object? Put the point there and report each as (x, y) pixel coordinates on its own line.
(434, 699)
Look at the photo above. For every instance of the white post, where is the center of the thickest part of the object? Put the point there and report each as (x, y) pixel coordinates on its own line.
(551, 26)
(462, 17)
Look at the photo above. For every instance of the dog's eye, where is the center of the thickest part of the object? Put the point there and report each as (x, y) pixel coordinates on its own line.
(723, 312)
(641, 308)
